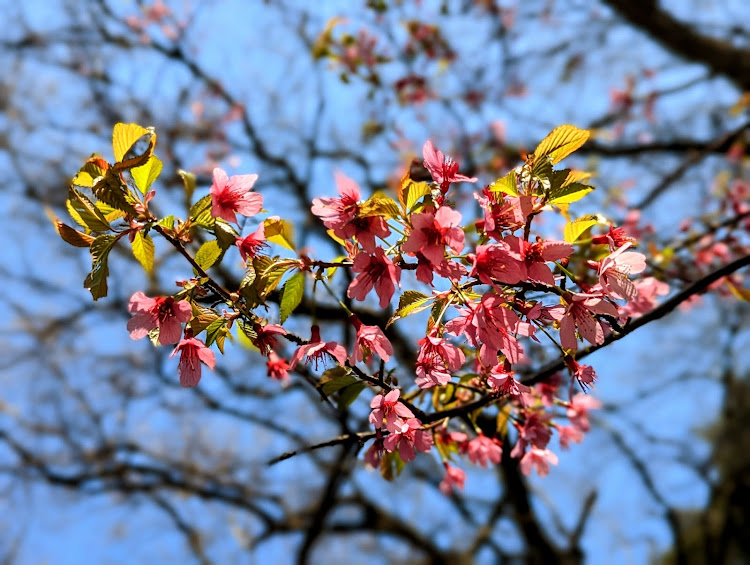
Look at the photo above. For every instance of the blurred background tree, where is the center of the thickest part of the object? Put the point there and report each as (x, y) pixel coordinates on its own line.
(104, 458)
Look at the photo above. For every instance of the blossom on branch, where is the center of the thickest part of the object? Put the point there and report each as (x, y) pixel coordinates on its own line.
(375, 271)
(407, 437)
(369, 340)
(193, 353)
(232, 195)
(614, 270)
(443, 169)
(162, 312)
(317, 349)
(389, 408)
(250, 245)
(432, 231)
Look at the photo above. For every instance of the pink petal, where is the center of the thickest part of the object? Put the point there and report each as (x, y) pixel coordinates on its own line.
(140, 324)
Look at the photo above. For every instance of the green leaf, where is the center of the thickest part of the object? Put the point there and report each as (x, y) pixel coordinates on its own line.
(96, 281)
(541, 172)
(208, 254)
(574, 229)
(569, 193)
(291, 295)
(202, 318)
(188, 181)
(145, 175)
(350, 393)
(69, 235)
(561, 142)
(379, 205)
(335, 379)
(410, 192)
(200, 213)
(133, 145)
(143, 250)
(272, 275)
(280, 232)
(95, 168)
(86, 213)
(226, 235)
(166, 222)
(111, 190)
(411, 302)
(214, 331)
(507, 184)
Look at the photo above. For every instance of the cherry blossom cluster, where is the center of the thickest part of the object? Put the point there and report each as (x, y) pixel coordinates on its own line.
(494, 287)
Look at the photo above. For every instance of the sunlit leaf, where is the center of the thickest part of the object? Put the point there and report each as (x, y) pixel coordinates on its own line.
(410, 302)
(569, 193)
(143, 250)
(96, 281)
(561, 142)
(379, 205)
(291, 295)
(145, 175)
(208, 254)
(335, 379)
(410, 192)
(188, 181)
(132, 145)
(86, 213)
(574, 229)
(279, 231)
(507, 184)
(69, 235)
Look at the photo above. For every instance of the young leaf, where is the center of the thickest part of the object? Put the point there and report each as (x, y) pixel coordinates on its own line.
(335, 379)
(166, 222)
(96, 281)
(291, 295)
(93, 169)
(188, 180)
(202, 318)
(574, 230)
(143, 250)
(132, 145)
(145, 175)
(208, 254)
(86, 213)
(379, 205)
(200, 213)
(69, 235)
(411, 302)
(349, 394)
(506, 184)
(561, 142)
(217, 332)
(279, 231)
(569, 193)
(410, 192)
(226, 235)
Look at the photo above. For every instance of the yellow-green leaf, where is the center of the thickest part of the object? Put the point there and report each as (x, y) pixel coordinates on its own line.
(574, 229)
(569, 193)
(208, 254)
(86, 213)
(410, 192)
(69, 235)
(411, 302)
(291, 295)
(279, 231)
(379, 205)
(132, 145)
(561, 142)
(96, 281)
(145, 175)
(506, 184)
(188, 180)
(143, 250)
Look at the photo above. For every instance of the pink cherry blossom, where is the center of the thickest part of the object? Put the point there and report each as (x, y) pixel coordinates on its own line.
(277, 367)
(454, 478)
(341, 215)
(232, 195)
(534, 430)
(645, 300)
(389, 408)
(376, 271)
(336, 212)
(432, 231)
(504, 382)
(614, 270)
(266, 339)
(443, 169)
(483, 450)
(497, 262)
(435, 359)
(567, 434)
(369, 340)
(374, 453)
(494, 325)
(162, 312)
(317, 349)
(250, 245)
(579, 314)
(540, 459)
(502, 213)
(193, 353)
(578, 411)
(406, 437)
(536, 255)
